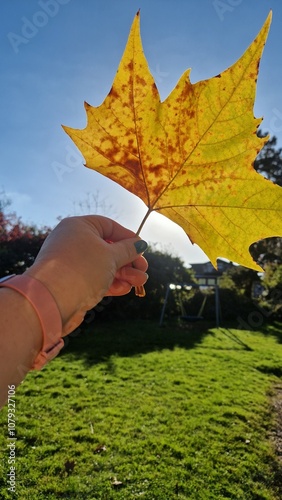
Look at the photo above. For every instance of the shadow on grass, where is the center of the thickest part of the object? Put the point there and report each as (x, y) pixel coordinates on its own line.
(274, 329)
(100, 340)
(232, 336)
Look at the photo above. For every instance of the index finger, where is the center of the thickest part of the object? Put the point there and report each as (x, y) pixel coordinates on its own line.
(110, 229)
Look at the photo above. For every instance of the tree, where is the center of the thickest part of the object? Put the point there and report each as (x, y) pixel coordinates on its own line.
(19, 243)
(268, 252)
(269, 164)
(93, 203)
(269, 160)
(241, 279)
(164, 268)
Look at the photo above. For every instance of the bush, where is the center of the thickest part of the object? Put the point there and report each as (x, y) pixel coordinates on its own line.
(163, 269)
(19, 243)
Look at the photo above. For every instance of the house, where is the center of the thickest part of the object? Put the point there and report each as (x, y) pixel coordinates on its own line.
(206, 274)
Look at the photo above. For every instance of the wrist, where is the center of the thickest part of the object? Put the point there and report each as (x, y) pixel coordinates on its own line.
(66, 286)
(43, 304)
(26, 323)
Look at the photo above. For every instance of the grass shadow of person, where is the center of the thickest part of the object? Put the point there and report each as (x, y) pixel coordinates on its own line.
(99, 341)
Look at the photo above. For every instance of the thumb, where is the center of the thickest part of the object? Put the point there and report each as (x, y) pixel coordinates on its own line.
(126, 251)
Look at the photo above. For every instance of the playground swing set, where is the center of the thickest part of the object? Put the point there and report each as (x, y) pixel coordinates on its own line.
(189, 317)
(184, 315)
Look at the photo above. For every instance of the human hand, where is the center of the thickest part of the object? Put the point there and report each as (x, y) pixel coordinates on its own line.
(79, 267)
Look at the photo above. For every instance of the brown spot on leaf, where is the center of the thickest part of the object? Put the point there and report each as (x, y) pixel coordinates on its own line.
(155, 89)
(132, 165)
(258, 63)
(170, 148)
(157, 188)
(191, 113)
(155, 169)
(140, 80)
(113, 93)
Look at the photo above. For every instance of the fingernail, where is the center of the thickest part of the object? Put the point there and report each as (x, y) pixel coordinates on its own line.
(141, 246)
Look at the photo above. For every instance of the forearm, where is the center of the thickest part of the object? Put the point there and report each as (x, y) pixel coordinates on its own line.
(74, 269)
(20, 339)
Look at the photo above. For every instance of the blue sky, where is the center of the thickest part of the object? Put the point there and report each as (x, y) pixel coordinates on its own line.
(56, 54)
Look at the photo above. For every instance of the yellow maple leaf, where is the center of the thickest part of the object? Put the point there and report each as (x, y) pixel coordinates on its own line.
(191, 156)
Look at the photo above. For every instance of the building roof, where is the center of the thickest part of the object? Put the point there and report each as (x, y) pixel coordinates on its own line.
(207, 269)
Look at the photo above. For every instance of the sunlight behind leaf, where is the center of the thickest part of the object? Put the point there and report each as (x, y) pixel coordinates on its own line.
(191, 156)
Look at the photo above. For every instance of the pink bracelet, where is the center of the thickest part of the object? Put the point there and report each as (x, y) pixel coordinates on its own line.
(47, 311)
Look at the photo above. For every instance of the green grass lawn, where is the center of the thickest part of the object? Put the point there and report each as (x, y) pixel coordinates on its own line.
(130, 410)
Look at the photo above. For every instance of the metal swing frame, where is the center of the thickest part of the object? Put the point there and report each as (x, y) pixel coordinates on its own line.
(189, 286)
(189, 317)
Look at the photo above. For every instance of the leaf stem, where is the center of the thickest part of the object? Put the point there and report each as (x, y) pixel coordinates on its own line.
(140, 290)
(143, 221)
